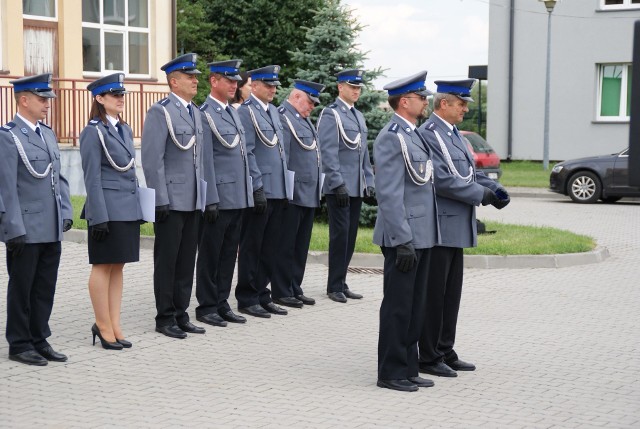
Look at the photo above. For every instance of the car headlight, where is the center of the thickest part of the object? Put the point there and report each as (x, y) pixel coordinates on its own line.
(557, 168)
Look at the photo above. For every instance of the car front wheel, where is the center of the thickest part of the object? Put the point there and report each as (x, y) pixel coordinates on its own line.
(584, 187)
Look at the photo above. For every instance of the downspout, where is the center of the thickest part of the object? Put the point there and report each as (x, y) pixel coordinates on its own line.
(174, 32)
(510, 91)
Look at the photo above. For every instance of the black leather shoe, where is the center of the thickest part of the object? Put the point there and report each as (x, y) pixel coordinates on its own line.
(172, 331)
(29, 357)
(213, 319)
(274, 309)
(460, 365)
(232, 317)
(439, 369)
(401, 385)
(352, 295)
(49, 354)
(421, 382)
(126, 344)
(337, 297)
(306, 300)
(191, 328)
(256, 311)
(289, 301)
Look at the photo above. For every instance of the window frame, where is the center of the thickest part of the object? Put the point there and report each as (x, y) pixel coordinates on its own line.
(624, 85)
(626, 5)
(125, 30)
(40, 17)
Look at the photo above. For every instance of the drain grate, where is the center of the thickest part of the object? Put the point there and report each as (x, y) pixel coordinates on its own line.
(361, 270)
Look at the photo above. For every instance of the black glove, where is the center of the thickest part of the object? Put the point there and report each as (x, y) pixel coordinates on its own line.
(489, 197)
(503, 198)
(405, 257)
(162, 213)
(66, 225)
(259, 201)
(211, 213)
(370, 196)
(16, 244)
(100, 231)
(342, 196)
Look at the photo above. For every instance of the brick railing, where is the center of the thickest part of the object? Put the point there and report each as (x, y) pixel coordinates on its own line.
(69, 112)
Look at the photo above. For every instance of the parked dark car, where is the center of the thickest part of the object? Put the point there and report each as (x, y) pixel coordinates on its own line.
(486, 159)
(587, 180)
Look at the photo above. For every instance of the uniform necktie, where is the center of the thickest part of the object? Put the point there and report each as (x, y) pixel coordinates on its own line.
(120, 130)
(455, 131)
(190, 111)
(228, 109)
(39, 133)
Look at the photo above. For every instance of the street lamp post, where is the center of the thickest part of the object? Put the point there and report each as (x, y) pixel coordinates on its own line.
(549, 4)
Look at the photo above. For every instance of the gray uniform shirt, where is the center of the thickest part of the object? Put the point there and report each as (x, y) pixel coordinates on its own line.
(175, 174)
(268, 165)
(456, 198)
(302, 158)
(407, 212)
(232, 177)
(112, 195)
(35, 206)
(343, 162)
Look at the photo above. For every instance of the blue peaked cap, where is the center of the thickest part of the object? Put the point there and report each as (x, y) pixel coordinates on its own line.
(412, 84)
(459, 88)
(113, 83)
(39, 85)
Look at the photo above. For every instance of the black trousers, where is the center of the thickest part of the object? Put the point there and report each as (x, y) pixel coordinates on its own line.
(343, 230)
(217, 254)
(259, 246)
(174, 258)
(401, 316)
(444, 289)
(32, 285)
(289, 267)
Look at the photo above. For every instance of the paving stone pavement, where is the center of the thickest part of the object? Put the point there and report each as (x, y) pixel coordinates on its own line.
(554, 347)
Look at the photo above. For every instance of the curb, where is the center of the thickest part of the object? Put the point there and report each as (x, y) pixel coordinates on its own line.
(368, 260)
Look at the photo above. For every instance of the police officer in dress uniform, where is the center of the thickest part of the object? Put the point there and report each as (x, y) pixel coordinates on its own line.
(225, 148)
(342, 136)
(303, 158)
(406, 229)
(459, 188)
(38, 211)
(261, 225)
(112, 208)
(173, 165)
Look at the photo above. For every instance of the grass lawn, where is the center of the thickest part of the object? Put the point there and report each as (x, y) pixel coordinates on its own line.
(524, 173)
(508, 240)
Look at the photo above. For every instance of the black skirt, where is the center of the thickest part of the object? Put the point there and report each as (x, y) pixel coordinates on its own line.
(121, 245)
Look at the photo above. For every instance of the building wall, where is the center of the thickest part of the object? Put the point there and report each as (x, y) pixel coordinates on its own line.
(582, 36)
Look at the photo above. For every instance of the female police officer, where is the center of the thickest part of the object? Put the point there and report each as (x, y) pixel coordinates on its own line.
(112, 209)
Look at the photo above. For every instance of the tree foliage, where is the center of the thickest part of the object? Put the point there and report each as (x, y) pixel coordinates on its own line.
(330, 47)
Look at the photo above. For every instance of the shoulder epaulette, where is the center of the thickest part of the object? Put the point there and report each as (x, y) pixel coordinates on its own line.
(246, 103)
(430, 125)
(281, 109)
(394, 128)
(203, 107)
(164, 101)
(333, 106)
(45, 125)
(8, 126)
(94, 122)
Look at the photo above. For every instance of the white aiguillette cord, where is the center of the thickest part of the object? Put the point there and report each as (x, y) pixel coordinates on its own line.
(447, 157)
(108, 155)
(413, 174)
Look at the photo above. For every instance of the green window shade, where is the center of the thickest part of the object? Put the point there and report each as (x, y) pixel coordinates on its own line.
(610, 104)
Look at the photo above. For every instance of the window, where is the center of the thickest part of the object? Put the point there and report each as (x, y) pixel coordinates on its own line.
(115, 36)
(40, 9)
(614, 101)
(619, 4)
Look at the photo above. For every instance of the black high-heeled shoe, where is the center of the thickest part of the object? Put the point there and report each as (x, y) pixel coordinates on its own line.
(105, 344)
(126, 344)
